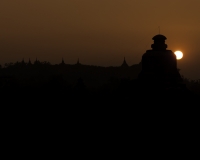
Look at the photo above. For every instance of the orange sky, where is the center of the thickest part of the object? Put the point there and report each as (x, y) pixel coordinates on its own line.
(98, 32)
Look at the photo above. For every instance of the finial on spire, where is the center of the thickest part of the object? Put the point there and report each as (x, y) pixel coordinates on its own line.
(124, 64)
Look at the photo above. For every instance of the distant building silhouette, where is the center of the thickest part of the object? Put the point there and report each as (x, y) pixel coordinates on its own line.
(159, 66)
(23, 61)
(78, 63)
(62, 62)
(36, 61)
(124, 64)
(29, 62)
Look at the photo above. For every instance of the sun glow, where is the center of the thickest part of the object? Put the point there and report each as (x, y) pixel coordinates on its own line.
(178, 54)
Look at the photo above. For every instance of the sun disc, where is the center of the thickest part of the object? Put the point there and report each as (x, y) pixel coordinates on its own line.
(178, 54)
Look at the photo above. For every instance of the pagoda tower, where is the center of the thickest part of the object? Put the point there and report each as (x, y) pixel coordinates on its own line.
(159, 64)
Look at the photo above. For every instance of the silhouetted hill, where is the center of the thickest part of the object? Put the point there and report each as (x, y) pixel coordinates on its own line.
(127, 101)
(93, 104)
(46, 77)
(71, 81)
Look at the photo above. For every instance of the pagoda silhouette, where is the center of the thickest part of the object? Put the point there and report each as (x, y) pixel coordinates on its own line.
(159, 69)
(159, 64)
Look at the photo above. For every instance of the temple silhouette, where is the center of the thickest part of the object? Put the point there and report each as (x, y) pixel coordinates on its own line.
(159, 64)
(155, 75)
(159, 70)
(84, 100)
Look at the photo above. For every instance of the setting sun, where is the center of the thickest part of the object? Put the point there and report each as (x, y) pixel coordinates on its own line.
(178, 54)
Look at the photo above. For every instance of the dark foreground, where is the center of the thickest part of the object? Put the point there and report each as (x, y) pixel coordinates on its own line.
(100, 122)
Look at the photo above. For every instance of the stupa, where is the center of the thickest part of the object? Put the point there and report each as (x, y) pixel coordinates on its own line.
(159, 64)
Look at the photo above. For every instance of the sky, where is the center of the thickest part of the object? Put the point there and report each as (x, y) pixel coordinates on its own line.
(99, 32)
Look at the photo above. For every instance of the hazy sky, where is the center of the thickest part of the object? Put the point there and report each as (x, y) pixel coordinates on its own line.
(98, 32)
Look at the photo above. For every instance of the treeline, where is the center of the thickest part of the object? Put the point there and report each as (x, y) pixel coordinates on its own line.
(70, 80)
(193, 85)
(64, 78)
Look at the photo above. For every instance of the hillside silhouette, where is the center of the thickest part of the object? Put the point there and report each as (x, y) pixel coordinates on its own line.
(74, 80)
(83, 98)
(155, 80)
(22, 77)
(157, 74)
(86, 102)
